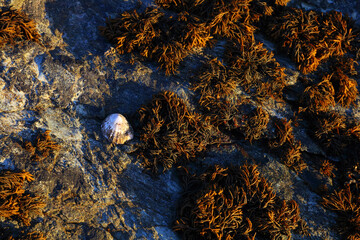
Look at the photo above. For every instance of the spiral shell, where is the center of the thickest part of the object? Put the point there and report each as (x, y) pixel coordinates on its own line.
(116, 129)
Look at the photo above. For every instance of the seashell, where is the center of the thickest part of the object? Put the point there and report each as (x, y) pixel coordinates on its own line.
(116, 129)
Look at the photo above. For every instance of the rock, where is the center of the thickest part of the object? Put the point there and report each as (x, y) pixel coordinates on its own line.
(11, 100)
(93, 189)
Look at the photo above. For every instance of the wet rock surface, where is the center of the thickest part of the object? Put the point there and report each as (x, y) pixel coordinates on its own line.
(96, 190)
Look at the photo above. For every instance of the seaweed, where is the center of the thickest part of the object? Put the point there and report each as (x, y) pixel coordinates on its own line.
(16, 27)
(291, 156)
(171, 133)
(329, 130)
(217, 93)
(233, 11)
(284, 133)
(337, 30)
(256, 69)
(42, 148)
(285, 145)
(319, 97)
(310, 38)
(14, 201)
(231, 20)
(255, 124)
(35, 235)
(220, 101)
(346, 202)
(180, 5)
(166, 40)
(234, 203)
(327, 168)
(29, 236)
(338, 135)
(7, 233)
(345, 87)
(282, 2)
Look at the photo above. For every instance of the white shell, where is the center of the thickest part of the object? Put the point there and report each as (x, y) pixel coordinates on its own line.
(116, 129)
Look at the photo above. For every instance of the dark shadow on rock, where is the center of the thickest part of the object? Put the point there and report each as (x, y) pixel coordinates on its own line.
(127, 98)
(155, 200)
(79, 22)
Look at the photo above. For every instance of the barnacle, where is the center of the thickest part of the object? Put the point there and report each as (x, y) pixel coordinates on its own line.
(234, 203)
(14, 202)
(43, 146)
(171, 133)
(16, 27)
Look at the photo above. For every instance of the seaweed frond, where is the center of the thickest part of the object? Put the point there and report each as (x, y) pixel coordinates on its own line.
(16, 27)
(337, 134)
(284, 133)
(222, 104)
(171, 134)
(345, 87)
(285, 145)
(7, 233)
(43, 146)
(165, 40)
(14, 202)
(327, 168)
(319, 97)
(310, 37)
(329, 129)
(232, 20)
(346, 203)
(282, 2)
(35, 235)
(234, 203)
(338, 32)
(255, 124)
(216, 88)
(256, 69)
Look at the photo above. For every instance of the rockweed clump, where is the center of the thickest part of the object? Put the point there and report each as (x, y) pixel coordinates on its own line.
(234, 203)
(171, 133)
(16, 27)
